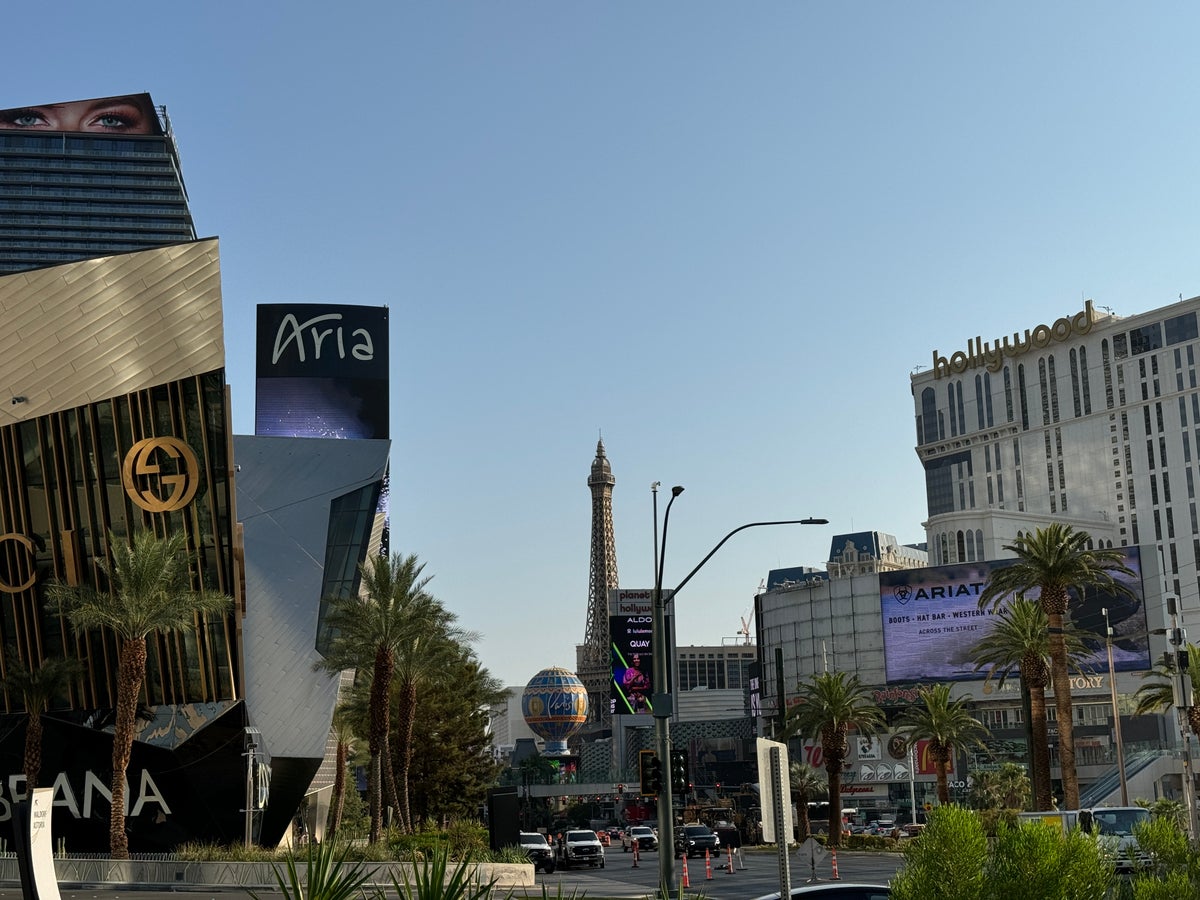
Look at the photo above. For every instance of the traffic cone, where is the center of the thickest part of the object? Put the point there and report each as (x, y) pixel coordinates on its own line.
(635, 853)
(835, 876)
(729, 868)
(686, 883)
(707, 865)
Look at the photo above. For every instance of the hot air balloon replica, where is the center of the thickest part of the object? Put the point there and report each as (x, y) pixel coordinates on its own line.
(555, 706)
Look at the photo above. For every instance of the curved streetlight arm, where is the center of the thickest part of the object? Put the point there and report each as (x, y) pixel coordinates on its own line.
(721, 543)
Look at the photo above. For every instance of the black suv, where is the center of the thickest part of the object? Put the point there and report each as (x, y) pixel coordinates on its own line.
(538, 851)
(695, 839)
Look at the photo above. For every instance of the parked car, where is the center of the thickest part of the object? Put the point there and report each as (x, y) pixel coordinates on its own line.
(538, 849)
(694, 839)
(840, 891)
(644, 837)
(579, 846)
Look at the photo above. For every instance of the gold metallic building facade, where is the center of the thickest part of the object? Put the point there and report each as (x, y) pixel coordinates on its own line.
(116, 418)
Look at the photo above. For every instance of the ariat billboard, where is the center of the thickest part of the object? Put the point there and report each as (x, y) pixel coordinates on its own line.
(932, 621)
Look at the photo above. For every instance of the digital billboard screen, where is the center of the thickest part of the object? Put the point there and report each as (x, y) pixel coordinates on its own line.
(932, 621)
(127, 114)
(630, 627)
(321, 371)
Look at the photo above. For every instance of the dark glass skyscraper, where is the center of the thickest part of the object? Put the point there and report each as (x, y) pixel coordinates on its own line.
(81, 185)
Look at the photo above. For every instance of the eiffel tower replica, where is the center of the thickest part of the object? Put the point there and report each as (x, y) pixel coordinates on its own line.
(593, 659)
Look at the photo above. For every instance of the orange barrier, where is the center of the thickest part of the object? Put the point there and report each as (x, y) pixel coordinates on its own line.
(707, 865)
(835, 876)
(635, 853)
(686, 883)
(729, 868)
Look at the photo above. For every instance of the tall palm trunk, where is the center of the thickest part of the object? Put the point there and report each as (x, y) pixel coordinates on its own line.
(1055, 604)
(406, 713)
(1040, 746)
(131, 672)
(338, 801)
(835, 747)
(33, 749)
(389, 782)
(380, 688)
(939, 754)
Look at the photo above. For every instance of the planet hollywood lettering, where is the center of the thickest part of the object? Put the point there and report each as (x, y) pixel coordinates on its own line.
(93, 787)
(291, 331)
(991, 356)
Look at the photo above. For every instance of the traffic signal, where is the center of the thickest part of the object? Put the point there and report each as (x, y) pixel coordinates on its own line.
(679, 772)
(650, 770)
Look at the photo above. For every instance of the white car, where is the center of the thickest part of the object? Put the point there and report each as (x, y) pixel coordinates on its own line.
(644, 837)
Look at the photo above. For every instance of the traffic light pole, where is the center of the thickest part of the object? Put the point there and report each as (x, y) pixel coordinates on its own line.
(662, 719)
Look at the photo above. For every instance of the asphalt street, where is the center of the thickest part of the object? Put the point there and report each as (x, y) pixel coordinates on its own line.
(617, 879)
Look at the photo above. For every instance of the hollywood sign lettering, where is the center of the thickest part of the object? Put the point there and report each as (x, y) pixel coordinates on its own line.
(66, 797)
(991, 356)
(291, 331)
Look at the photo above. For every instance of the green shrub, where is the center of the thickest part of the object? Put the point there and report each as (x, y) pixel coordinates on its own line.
(1036, 860)
(329, 874)
(947, 862)
(435, 879)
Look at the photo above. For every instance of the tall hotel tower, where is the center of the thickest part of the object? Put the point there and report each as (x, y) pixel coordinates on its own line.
(1089, 418)
(87, 179)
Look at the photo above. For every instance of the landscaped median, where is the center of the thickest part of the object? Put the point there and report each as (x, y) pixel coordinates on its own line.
(168, 873)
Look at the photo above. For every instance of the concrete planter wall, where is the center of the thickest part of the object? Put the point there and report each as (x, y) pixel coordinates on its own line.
(256, 875)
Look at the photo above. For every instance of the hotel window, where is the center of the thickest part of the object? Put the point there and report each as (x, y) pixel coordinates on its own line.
(979, 401)
(1146, 338)
(950, 410)
(987, 397)
(1120, 347)
(1045, 391)
(1108, 382)
(1053, 390)
(1008, 394)
(1024, 398)
(1180, 329)
(1085, 387)
(1075, 397)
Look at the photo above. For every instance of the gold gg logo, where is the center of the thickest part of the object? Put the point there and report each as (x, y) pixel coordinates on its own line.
(140, 463)
(25, 542)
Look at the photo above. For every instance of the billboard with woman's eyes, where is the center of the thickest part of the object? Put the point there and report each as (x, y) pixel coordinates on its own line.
(932, 621)
(127, 114)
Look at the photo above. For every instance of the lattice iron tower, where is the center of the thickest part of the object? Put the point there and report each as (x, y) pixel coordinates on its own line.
(592, 656)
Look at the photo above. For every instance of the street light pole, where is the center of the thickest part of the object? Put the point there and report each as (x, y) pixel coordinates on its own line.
(662, 714)
(1112, 684)
(663, 701)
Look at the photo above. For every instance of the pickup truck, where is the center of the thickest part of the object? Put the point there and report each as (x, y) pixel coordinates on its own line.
(1112, 826)
(580, 847)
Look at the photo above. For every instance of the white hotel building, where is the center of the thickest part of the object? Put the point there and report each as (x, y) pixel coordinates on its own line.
(1091, 419)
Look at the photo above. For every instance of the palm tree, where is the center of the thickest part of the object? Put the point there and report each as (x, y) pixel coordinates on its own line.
(344, 723)
(1159, 695)
(424, 656)
(1020, 641)
(1004, 788)
(806, 783)
(150, 591)
(391, 616)
(948, 726)
(38, 687)
(1051, 562)
(831, 703)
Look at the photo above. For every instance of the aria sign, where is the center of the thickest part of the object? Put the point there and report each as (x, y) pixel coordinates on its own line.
(141, 471)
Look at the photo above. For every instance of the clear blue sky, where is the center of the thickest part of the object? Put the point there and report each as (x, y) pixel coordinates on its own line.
(720, 234)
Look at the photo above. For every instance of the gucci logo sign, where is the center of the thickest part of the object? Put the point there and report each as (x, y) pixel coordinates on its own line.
(141, 462)
(25, 542)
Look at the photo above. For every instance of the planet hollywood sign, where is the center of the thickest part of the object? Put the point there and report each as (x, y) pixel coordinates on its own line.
(991, 356)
